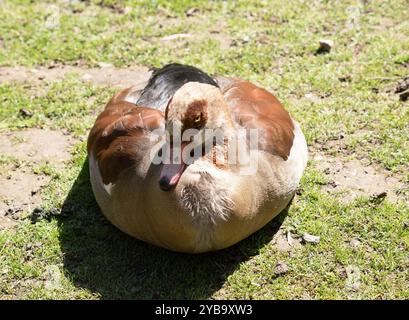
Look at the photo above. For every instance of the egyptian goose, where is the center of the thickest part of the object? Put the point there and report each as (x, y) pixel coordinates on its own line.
(208, 203)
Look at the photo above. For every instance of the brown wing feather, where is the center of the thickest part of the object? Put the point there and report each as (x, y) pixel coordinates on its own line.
(120, 134)
(256, 108)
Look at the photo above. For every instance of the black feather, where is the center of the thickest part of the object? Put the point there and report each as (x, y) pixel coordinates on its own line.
(166, 81)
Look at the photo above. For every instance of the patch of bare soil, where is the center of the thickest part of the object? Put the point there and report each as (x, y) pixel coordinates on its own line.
(20, 192)
(20, 188)
(286, 241)
(36, 145)
(106, 75)
(355, 178)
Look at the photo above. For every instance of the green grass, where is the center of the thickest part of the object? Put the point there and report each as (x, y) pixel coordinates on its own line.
(77, 254)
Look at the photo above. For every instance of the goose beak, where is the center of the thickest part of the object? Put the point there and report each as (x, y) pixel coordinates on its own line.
(172, 172)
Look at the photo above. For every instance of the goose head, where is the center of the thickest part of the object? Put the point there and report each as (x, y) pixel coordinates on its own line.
(196, 112)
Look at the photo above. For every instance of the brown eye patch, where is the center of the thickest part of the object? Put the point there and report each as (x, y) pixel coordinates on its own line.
(195, 116)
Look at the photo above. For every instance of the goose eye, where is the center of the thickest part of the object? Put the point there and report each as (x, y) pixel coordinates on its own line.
(197, 118)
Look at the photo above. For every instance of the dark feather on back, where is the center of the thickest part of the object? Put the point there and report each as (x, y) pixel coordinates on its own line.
(166, 81)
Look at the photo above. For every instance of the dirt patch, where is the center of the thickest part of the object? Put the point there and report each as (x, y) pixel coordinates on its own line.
(286, 241)
(36, 145)
(20, 192)
(106, 75)
(21, 188)
(356, 178)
